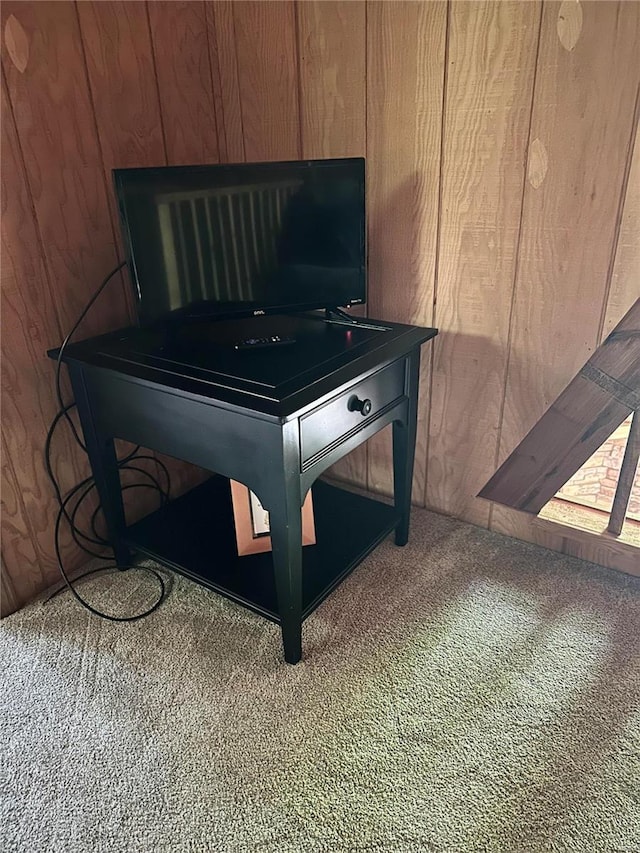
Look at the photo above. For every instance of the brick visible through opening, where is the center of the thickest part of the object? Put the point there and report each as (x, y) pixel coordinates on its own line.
(594, 485)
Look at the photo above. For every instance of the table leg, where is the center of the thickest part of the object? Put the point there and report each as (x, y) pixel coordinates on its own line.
(104, 467)
(404, 446)
(283, 500)
(286, 533)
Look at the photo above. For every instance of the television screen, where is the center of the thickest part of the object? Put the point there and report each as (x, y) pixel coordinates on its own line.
(250, 238)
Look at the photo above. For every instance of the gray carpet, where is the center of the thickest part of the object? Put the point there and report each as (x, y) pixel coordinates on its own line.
(466, 693)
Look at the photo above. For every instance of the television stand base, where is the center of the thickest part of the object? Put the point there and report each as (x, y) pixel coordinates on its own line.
(341, 318)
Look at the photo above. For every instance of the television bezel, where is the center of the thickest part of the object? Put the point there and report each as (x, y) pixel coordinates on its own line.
(187, 313)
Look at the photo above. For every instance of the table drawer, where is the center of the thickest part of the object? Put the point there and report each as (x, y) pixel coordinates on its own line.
(350, 410)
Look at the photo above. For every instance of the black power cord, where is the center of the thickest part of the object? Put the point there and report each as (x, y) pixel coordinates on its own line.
(82, 490)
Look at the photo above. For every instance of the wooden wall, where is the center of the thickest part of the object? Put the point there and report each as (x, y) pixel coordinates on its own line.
(502, 200)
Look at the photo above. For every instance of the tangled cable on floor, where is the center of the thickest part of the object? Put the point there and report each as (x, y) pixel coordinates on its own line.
(70, 503)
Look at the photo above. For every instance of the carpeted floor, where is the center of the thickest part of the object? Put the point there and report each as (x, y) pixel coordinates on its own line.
(465, 693)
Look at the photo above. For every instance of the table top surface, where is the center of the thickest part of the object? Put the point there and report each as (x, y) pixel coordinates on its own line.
(202, 358)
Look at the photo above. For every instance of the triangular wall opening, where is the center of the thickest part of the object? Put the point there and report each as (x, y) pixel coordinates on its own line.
(581, 422)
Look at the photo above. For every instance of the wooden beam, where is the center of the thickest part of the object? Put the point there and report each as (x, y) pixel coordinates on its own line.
(625, 480)
(592, 406)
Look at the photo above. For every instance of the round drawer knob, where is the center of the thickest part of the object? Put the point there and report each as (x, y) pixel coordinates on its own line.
(357, 405)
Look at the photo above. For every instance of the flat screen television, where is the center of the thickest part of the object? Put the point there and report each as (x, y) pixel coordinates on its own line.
(244, 239)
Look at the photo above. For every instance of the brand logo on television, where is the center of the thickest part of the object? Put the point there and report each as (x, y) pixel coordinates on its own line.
(257, 313)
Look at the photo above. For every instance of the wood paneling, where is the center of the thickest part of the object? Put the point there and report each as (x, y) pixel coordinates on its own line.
(602, 549)
(581, 125)
(332, 46)
(56, 238)
(569, 218)
(226, 88)
(22, 573)
(405, 72)
(625, 280)
(491, 67)
(332, 49)
(9, 599)
(99, 85)
(30, 326)
(183, 64)
(120, 65)
(265, 39)
(56, 129)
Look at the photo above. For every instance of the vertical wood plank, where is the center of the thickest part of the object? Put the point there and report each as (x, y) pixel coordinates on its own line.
(332, 48)
(56, 128)
(405, 70)
(57, 207)
(226, 87)
(20, 562)
(9, 600)
(491, 65)
(181, 48)
(268, 79)
(120, 63)
(29, 327)
(625, 280)
(582, 121)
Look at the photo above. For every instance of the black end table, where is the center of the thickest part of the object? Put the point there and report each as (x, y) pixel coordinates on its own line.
(273, 418)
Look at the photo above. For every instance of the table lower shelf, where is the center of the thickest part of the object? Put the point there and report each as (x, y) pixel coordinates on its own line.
(194, 535)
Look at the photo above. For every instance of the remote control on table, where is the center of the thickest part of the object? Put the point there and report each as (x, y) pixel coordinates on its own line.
(255, 343)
